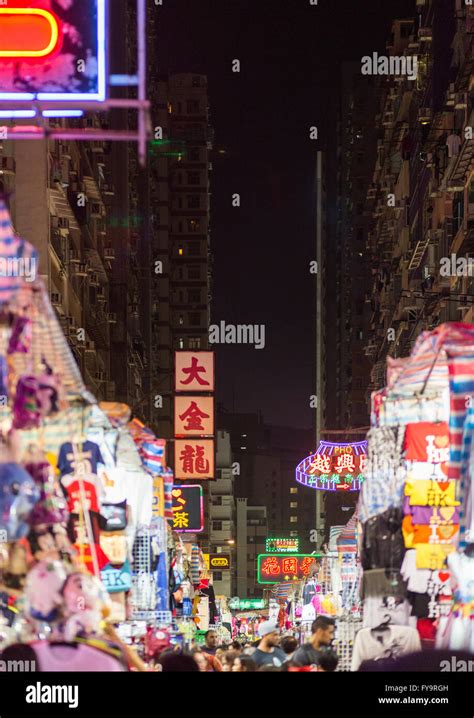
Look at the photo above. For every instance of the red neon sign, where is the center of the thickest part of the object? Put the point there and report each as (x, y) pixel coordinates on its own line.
(27, 32)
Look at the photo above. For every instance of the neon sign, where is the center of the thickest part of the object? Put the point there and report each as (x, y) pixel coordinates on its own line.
(58, 55)
(188, 508)
(334, 467)
(282, 545)
(274, 568)
(27, 32)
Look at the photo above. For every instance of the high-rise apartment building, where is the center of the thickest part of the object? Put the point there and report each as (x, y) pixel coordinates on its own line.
(425, 159)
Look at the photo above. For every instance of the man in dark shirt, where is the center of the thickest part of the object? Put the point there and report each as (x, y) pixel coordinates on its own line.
(322, 634)
(268, 652)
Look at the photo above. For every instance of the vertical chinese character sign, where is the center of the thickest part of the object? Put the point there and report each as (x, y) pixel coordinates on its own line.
(188, 508)
(194, 427)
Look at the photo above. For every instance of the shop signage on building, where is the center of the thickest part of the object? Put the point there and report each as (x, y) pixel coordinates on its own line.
(334, 467)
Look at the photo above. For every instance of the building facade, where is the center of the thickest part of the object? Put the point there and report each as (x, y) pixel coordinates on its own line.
(421, 198)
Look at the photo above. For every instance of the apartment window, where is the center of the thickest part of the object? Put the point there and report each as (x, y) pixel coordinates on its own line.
(196, 81)
(293, 534)
(180, 202)
(194, 272)
(217, 575)
(193, 154)
(293, 504)
(194, 249)
(194, 201)
(293, 519)
(251, 539)
(194, 225)
(194, 296)
(293, 490)
(217, 501)
(194, 319)
(217, 525)
(192, 107)
(181, 343)
(181, 320)
(194, 343)
(194, 177)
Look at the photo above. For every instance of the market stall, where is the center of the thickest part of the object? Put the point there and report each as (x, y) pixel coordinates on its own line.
(85, 495)
(415, 506)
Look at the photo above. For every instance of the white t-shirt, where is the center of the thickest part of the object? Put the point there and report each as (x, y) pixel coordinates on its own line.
(394, 642)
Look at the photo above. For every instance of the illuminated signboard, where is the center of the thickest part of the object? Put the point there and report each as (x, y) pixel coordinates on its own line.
(282, 545)
(273, 568)
(194, 371)
(194, 458)
(219, 562)
(53, 50)
(193, 415)
(188, 508)
(334, 467)
(246, 604)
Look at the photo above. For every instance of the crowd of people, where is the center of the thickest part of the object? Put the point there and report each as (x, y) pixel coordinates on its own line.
(271, 652)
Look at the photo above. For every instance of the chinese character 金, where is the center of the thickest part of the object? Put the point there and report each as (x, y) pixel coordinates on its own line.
(194, 370)
(194, 416)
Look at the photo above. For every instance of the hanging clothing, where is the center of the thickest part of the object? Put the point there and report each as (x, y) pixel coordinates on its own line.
(431, 493)
(391, 643)
(456, 631)
(384, 473)
(382, 541)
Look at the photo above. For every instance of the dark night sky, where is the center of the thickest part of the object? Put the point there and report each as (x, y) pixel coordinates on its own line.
(290, 53)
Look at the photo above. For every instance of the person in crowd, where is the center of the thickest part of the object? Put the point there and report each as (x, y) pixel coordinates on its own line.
(268, 652)
(269, 668)
(228, 661)
(322, 634)
(206, 663)
(327, 662)
(173, 662)
(210, 642)
(220, 653)
(288, 645)
(236, 646)
(244, 664)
